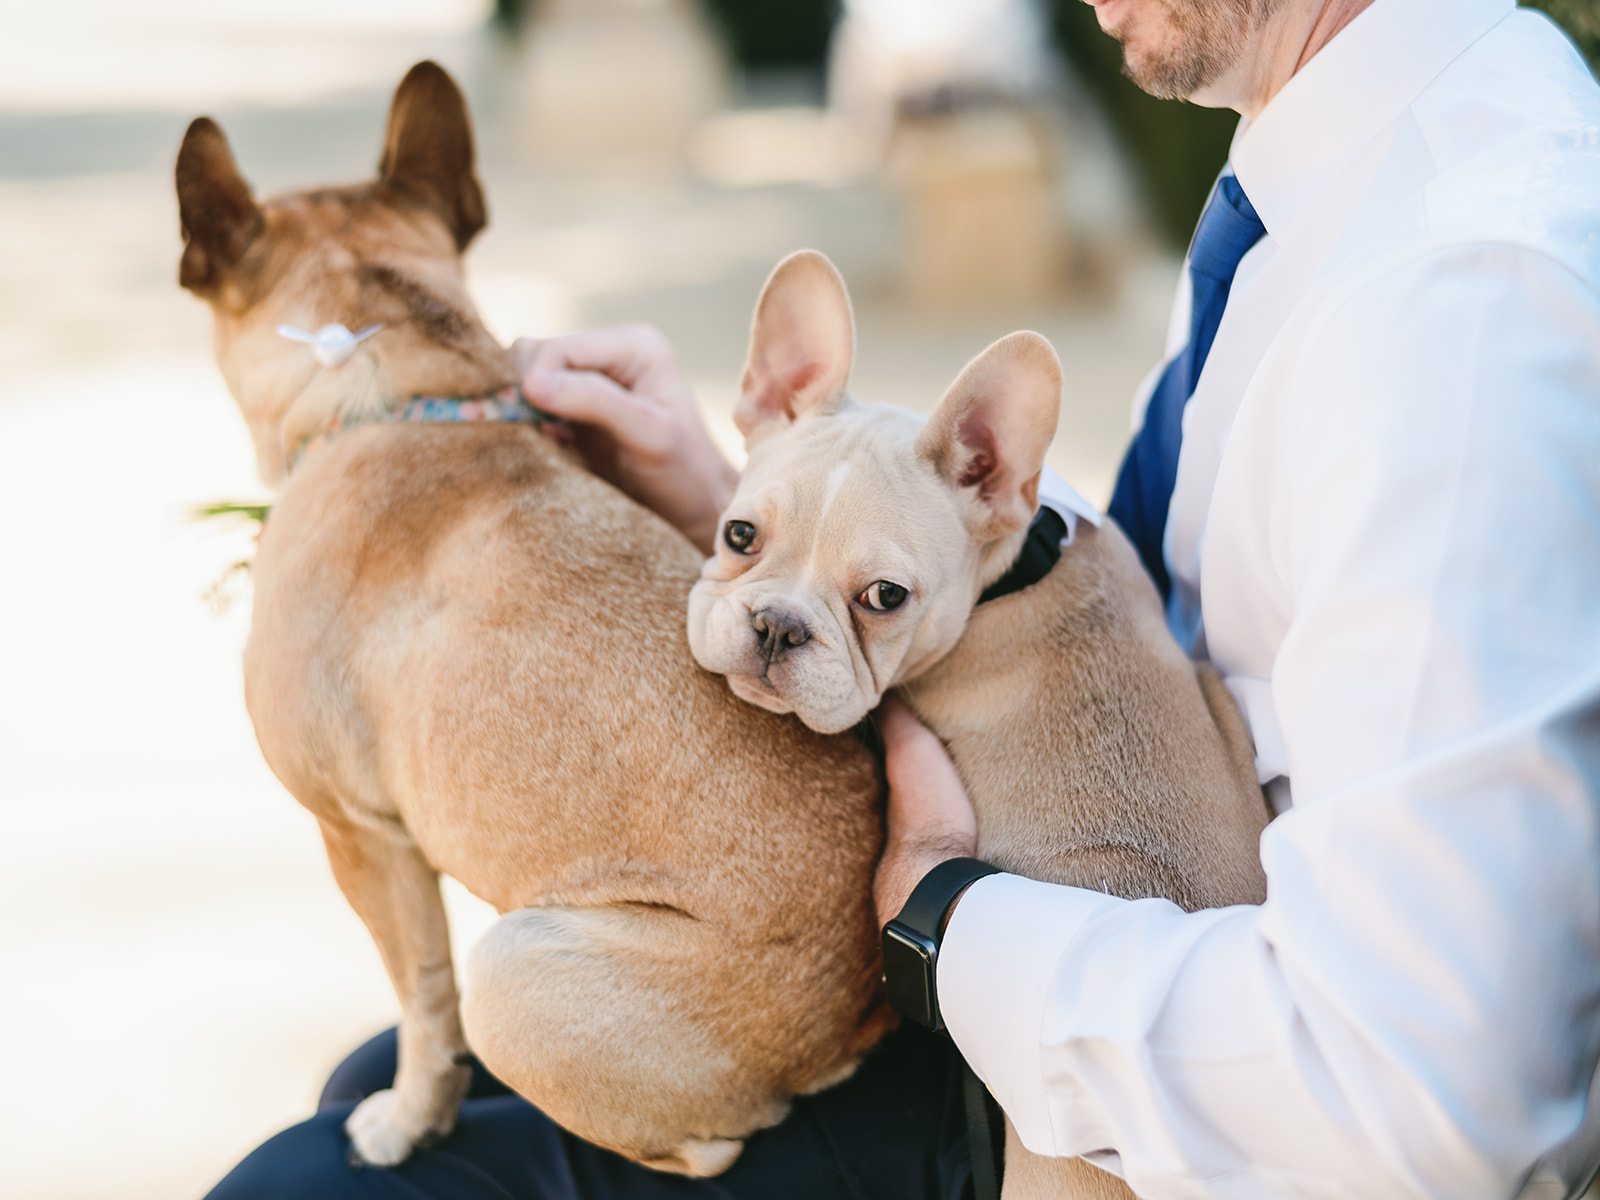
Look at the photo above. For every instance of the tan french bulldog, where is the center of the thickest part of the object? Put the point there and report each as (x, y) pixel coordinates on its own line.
(851, 561)
(467, 656)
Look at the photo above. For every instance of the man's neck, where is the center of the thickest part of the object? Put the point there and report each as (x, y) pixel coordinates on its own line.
(1286, 41)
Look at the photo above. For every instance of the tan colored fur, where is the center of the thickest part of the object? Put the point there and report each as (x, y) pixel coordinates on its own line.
(467, 656)
(1095, 752)
(1084, 736)
(1098, 755)
(1034, 1177)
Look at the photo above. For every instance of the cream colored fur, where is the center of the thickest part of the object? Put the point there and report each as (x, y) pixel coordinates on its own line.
(1095, 752)
(467, 656)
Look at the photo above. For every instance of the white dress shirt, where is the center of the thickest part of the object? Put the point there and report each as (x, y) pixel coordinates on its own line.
(1388, 513)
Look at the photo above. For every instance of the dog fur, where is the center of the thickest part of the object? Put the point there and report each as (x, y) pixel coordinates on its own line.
(467, 656)
(1094, 751)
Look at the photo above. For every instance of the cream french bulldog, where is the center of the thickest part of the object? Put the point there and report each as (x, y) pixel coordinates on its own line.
(852, 559)
(860, 536)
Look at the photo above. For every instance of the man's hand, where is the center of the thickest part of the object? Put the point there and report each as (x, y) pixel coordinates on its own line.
(930, 817)
(636, 420)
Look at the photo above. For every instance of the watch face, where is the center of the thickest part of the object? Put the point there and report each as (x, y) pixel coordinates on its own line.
(908, 959)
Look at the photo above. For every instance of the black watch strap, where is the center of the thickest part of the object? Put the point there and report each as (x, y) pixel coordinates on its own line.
(911, 940)
(926, 906)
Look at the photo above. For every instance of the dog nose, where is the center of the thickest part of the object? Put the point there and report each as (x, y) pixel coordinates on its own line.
(779, 631)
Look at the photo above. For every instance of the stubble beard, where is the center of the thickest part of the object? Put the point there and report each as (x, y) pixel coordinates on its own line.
(1203, 41)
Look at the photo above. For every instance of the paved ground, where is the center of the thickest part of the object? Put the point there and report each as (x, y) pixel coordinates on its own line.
(180, 971)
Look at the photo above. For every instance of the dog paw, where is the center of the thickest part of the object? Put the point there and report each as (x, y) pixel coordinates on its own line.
(382, 1134)
(832, 1079)
(698, 1159)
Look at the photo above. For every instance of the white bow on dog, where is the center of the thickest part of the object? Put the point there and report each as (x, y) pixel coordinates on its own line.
(332, 344)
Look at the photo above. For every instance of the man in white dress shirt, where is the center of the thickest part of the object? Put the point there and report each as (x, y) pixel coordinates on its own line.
(1384, 530)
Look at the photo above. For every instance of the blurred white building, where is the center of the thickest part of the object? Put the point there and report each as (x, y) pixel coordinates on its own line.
(892, 55)
(954, 92)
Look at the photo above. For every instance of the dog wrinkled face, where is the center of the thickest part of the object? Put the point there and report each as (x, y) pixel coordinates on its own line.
(832, 583)
(860, 537)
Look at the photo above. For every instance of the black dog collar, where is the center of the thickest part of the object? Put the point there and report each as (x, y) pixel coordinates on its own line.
(1041, 550)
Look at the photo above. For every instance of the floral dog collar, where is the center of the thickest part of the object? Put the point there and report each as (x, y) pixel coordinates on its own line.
(507, 405)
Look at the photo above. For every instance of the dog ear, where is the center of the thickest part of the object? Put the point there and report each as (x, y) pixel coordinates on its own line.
(427, 151)
(991, 431)
(218, 215)
(802, 342)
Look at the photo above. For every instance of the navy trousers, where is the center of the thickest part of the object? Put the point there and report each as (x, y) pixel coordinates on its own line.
(895, 1130)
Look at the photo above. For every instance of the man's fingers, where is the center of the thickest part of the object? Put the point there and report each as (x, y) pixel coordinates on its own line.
(523, 351)
(626, 354)
(927, 801)
(590, 398)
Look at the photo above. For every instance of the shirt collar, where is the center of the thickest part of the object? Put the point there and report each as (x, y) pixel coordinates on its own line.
(1365, 77)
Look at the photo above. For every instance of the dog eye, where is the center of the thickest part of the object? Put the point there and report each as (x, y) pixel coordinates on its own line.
(740, 536)
(882, 596)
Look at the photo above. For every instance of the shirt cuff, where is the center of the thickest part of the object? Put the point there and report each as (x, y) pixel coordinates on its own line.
(996, 962)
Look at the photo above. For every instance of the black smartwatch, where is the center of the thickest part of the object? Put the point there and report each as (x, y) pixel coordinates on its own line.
(911, 940)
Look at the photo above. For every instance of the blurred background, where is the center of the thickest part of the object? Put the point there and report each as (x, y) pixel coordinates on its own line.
(180, 972)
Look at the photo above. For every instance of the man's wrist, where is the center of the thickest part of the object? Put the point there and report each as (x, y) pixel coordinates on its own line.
(950, 910)
(911, 940)
(905, 866)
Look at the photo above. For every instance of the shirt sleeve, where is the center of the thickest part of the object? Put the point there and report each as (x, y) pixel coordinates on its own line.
(1415, 1009)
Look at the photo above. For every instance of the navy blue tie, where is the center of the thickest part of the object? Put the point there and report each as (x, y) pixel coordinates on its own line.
(1143, 493)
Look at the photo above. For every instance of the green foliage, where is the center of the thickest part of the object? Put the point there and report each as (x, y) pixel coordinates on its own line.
(776, 33)
(235, 578)
(1581, 20)
(1176, 148)
(507, 13)
(761, 33)
(248, 511)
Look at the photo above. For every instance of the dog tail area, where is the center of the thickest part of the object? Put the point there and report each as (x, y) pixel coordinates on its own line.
(606, 1019)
